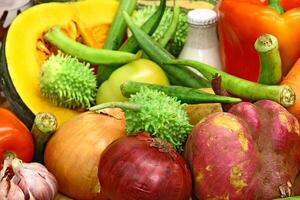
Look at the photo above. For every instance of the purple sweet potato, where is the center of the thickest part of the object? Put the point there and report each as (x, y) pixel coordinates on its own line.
(250, 152)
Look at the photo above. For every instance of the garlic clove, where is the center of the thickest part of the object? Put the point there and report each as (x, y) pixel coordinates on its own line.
(10, 191)
(44, 173)
(4, 187)
(35, 180)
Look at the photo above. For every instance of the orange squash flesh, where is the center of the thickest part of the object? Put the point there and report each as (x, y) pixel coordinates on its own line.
(24, 42)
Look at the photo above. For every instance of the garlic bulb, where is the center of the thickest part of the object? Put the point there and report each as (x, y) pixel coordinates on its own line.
(26, 181)
(10, 191)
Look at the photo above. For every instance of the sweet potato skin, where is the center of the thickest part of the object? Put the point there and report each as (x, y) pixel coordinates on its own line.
(251, 152)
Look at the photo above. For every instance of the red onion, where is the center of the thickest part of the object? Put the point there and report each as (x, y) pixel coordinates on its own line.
(142, 167)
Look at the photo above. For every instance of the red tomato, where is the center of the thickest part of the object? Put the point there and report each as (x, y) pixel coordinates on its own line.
(14, 137)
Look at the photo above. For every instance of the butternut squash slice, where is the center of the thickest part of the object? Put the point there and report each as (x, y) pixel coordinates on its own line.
(25, 50)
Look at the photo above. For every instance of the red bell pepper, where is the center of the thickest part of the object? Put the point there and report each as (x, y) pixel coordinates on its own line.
(15, 138)
(242, 21)
(289, 4)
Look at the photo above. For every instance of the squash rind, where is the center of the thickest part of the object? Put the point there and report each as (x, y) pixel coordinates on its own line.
(15, 102)
(22, 57)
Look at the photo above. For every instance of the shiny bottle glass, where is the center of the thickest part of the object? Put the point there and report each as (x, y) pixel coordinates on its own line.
(202, 41)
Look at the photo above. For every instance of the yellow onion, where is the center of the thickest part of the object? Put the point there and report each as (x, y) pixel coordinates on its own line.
(73, 152)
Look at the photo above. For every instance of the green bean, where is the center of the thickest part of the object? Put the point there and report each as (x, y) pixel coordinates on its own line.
(89, 54)
(184, 75)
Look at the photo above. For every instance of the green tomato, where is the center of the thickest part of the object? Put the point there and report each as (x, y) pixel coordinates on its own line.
(141, 70)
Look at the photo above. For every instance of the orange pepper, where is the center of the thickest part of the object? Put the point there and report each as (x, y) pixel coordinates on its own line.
(242, 21)
(15, 138)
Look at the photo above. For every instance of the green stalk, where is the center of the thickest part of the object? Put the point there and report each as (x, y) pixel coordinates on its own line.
(266, 46)
(122, 105)
(289, 198)
(44, 126)
(275, 4)
(118, 27)
(93, 55)
(131, 45)
(172, 28)
(244, 88)
(183, 94)
(184, 75)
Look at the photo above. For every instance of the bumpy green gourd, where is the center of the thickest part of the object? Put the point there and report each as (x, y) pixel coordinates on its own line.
(176, 44)
(161, 115)
(67, 82)
(155, 112)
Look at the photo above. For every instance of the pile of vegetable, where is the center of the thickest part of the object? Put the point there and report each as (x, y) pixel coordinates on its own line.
(110, 113)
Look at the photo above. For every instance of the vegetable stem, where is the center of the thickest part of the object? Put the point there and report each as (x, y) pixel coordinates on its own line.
(8, 158)
(93, 55)
(122, 105)
(184, 94)
(16, 165)
(44, 126)
(159, 55)
(275, 4)
(244, 88)
(270, 62)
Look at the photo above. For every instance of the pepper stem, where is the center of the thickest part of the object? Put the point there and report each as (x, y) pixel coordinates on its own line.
(43, 127)
(266, 46)
(275, 4)
(122, 105)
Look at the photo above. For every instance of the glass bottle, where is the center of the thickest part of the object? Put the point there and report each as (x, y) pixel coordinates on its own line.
(202, 41)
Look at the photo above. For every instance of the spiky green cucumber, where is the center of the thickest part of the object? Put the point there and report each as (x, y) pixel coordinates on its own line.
(66, 82)
(155, 112)
(177, 42)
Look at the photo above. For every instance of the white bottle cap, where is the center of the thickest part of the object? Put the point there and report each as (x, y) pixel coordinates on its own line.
(202, 17)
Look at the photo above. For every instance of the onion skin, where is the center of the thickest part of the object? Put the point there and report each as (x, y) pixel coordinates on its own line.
(73, 152)
(130, 169)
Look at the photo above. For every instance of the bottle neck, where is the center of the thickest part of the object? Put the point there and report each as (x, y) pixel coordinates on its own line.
(202, 36)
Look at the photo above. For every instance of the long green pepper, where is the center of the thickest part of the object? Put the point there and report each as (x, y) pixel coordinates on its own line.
(243, 88)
